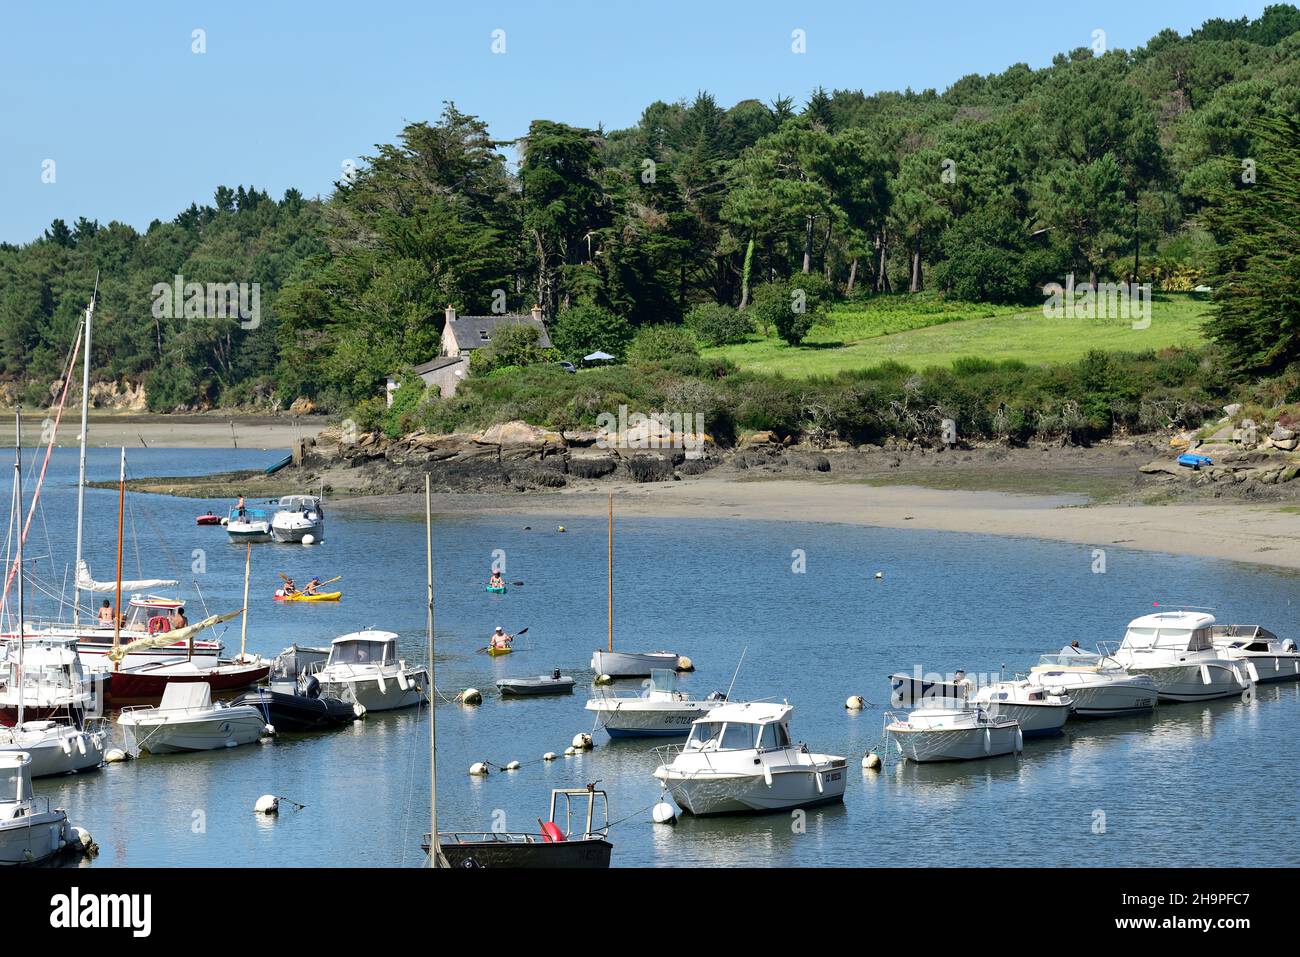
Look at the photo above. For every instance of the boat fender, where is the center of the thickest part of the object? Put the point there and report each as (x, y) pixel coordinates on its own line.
(512, 766)
(855, 702)
(478, 769)
(767, 775)
(267, 804)
(1205, 675)
(115, 755)
(871, 761)
(583, 742)
(383, 685)
(548, 756)
(988, 741)
(1020, 740)
(551, 833)
(817, 777)
(1250, 670)
(268, 729)
(402, 682)
(66, 745)
(81, 744)
(471, 696)
(82, 838)
(663, 813)
(358, 709)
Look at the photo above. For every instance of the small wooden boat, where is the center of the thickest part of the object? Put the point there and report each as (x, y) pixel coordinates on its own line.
(302, 596)
(552, 846)
(211, 518)
(148, 683)
(554, 683)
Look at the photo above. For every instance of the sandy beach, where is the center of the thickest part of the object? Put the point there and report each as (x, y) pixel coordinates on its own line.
(1234, 531)
(172, 431)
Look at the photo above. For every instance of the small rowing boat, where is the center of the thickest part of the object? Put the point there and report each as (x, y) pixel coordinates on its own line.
(554, 683)
(300, 596)
(210, 518)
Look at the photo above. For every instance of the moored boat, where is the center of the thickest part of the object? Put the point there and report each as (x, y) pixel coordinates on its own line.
(659, 711)
(363, 667)
(248, 525)
(187, 719)
(1176, 650)
(1265, 656)
(1097, 685)
(297, 517)
(554, 683)
(552, 846)
(1038, 710)
(286, 707)
(30, 830)
(951, 731)
(739, 759)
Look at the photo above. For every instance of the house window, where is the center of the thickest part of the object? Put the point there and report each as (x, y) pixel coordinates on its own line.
(483, 335)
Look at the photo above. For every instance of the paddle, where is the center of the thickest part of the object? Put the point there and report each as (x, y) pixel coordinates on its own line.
(515, 635)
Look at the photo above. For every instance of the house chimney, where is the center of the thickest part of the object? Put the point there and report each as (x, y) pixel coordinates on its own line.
(451, 313)
(537, 313)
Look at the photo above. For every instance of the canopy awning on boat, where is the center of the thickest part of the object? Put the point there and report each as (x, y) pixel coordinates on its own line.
(164, 638)
(86, 583)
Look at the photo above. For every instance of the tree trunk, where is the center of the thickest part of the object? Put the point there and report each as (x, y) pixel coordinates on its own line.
(883, 277)
(853, 276)
(915, 285)
(744, 276)
(808, 246)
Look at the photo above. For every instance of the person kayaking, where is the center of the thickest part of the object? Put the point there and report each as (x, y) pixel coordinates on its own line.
(289, 589)
(313, 586)
(500, 641)
(106, 613)
(496, 581)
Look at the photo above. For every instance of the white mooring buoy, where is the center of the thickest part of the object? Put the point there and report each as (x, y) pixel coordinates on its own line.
(309, 539)
(855, 702)
(880, 575)
(478, 769)
(664, 813)
(267, 804)
(548, 756)
(115, 756)
(685, 664)
(471, 696)
(512, 766)
(583, 742)
(870, 761)
(603, 680)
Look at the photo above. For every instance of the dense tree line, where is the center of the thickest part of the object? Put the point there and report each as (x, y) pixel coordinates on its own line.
(1116, 165)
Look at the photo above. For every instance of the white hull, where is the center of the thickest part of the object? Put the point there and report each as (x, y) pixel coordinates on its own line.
(1034, 719)
(1266, 668)
(626, 664)
(33, 838)
(639, 718)
(159, 734)
(376, 693)
(956, 744)
(61, 750)
(706, 792)
(1110, 700)
(249, 531)
(1201, 681)
(294, 532)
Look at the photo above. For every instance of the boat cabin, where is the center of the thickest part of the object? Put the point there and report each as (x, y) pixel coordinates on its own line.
(1251, 638)
(1170, 631)
(364, 648)
(150, 613)
(15, 784)
(741, 727)
(308, 505)
(50, 669)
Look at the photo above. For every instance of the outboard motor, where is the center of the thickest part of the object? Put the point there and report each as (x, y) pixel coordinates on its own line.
(311, 687)
(716, 696)
(556, 674)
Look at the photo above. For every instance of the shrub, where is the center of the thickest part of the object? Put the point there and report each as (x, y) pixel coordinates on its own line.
(793, 307)
(587, 328)
(719, 325)
(662, 343)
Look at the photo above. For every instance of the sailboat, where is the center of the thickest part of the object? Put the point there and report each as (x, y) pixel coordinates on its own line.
(50, 746)
(627, 664)
(147, 615)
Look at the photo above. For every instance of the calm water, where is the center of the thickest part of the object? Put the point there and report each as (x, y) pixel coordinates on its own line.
(1188, 785)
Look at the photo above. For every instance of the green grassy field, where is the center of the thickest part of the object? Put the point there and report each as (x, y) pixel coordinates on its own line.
(927, 331)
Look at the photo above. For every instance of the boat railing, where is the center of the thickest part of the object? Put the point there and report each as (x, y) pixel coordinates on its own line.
(499, 837)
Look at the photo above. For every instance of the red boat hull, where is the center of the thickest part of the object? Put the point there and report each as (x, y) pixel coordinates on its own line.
(144, 687)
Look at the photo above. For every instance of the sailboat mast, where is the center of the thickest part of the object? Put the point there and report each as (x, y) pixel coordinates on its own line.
(117, 601)
(243, 628)
(81, 475)
(610, 576)
(435, 851)
(18, 511)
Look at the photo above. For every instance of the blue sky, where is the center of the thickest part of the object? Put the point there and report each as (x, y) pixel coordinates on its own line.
(139, 126)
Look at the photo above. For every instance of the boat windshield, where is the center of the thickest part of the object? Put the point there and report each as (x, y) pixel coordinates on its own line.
(774, 735)
(360, 653)
(661, 679)
(721, 736)
(11, 785)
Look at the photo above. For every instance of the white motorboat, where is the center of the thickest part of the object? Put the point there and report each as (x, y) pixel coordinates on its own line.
(248, 525)
(1265, 656)
(48, 681)
(952, 731)
(1176, 649)
(30, 830)
(363, 668)
(296, 517)
(739, 759)
(627, 664)
(1037, 709)
(57, 747)
(659, 711)
(1097, 684)
(189, 720)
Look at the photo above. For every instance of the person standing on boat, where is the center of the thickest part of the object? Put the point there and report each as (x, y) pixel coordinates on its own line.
(239, 506)
(500, 640)
(177, 618)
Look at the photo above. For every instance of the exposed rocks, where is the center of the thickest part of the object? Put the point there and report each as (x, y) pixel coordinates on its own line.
(302, 406)
(120, 397)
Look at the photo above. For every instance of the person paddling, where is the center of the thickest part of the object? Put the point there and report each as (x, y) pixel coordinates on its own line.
(313, 586)
(500, 641)
(496, 581)
(290, 589)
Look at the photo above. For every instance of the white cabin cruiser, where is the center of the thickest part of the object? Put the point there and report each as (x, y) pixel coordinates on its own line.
(57, 747)
(1265, 656)
(739, 759)
(659, 711)
(30, 832)
(296, 517)
(363, 668)
(1097, 684)
(189, 720)
(248, 525)
(1176, 649)
(1037, 709)
(952, 730)
(48, 681)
